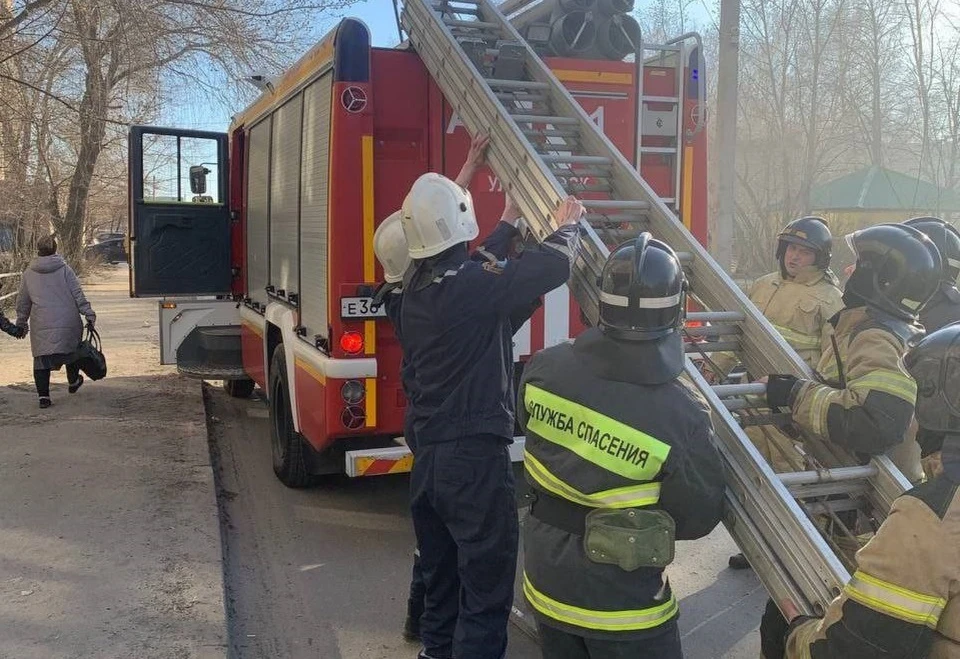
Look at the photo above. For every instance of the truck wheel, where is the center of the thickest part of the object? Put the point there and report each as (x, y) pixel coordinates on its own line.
(287, 445)
(239, 388)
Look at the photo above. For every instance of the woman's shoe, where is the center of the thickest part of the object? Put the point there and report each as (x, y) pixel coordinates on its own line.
(75, 387)
(45, 402)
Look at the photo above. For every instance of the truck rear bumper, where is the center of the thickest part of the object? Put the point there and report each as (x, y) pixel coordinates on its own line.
(398, 459)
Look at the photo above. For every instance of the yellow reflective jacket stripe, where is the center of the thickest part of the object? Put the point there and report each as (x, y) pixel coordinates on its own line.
(632, 496)
(894, 383)
(593, 436)
(613, 621)
(798, 340)
(895, 601)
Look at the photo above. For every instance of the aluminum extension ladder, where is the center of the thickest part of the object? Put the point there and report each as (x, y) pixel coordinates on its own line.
(542, 145)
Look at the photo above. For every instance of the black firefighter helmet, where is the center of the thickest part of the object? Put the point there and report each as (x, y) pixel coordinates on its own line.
(934, 362)
(898, 269)
(947, 239)
(642, 291)
(811, 232)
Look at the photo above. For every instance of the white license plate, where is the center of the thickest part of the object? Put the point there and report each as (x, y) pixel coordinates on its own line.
(361, 307)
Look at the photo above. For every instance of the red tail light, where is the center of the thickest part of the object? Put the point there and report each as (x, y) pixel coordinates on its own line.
(351, 342)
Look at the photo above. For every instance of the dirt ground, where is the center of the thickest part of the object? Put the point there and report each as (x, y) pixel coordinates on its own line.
(109, 539)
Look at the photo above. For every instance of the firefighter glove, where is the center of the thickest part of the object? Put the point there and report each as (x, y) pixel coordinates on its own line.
(780, 390)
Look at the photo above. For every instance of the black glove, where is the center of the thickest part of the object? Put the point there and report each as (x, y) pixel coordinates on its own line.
(779, 390)
(773, 632)
(20, 332)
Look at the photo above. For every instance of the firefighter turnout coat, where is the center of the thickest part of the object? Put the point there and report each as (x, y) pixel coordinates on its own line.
(904, 599)
(865, 400)
(608, 426)
(799, 308)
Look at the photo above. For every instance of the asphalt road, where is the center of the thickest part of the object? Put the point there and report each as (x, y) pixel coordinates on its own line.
(324, 572)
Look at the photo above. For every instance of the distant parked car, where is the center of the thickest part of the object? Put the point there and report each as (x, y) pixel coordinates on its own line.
(108, 247)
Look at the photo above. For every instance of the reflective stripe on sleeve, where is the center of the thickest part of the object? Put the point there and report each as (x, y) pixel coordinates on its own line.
(819, 401)
(892, 382)
(895, 601)
(612, 621)
(593, 436)
(798, 340)
(632, 496)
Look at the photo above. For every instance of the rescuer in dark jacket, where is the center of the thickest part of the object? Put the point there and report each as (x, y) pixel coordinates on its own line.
(944, 307)
(903, 601)
(457, 336)
(864, 398)
(620, 456)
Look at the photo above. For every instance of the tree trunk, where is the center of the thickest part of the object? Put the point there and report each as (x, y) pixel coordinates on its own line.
(93, 108)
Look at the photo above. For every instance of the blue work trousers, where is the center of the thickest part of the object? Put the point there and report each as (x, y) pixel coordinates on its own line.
(464, 512)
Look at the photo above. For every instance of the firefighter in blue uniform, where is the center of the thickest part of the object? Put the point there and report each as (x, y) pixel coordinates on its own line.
(390, 246)
(621, 458)
(944, 307)
(457, 332)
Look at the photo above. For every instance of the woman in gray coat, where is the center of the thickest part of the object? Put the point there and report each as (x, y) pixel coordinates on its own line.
(52, 300)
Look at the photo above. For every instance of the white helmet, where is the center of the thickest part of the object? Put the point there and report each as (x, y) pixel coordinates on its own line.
(437, 214)
(390, 246)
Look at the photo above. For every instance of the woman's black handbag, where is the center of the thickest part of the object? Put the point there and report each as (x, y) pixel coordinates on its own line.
(89, 356)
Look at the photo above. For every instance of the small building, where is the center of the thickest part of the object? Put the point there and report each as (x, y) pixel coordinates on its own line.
(876, 195)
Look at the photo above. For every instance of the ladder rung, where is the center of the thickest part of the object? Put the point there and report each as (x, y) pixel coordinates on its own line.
(613, 219)
(516, 84)
(536, 119)
(479, 25)
(577, 160)
(752, 389)
(550, 132)
(530, 111)
(658, 149)
(575, 186)
(580, 172)
(521, 96)
(712, 346)
(668, 200)
(734, 404)
(715, 316)
(661, 99)
(615, 204)
(446, 8)
(853, 489)
(836, 475)
(713, 330)
(685, 257)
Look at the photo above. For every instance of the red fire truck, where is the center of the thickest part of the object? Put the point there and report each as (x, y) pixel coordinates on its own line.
(259, 242)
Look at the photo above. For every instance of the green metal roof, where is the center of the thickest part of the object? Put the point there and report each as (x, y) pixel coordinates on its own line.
(879, 189)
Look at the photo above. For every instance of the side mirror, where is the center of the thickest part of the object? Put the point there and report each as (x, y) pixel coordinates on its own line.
(198, 179)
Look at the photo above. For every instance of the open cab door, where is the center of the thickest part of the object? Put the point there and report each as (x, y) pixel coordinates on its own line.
(180, 247)
(179, 216)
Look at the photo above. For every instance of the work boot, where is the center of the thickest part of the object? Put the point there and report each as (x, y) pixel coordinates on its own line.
(411, 629)
(74, 387)
(738, 562)
(45, 402)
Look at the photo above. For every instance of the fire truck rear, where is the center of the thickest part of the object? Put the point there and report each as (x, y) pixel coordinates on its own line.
(259, 241)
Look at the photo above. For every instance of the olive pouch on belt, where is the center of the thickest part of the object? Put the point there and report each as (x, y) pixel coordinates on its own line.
(630, 538)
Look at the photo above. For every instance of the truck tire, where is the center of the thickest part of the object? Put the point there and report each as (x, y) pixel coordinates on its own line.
(239, 388)
(286, 445)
